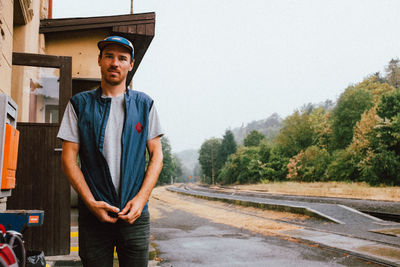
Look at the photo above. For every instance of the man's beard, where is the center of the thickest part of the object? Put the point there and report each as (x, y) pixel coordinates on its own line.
(114, 82)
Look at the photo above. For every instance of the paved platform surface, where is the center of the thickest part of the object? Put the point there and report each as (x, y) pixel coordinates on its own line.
(348, 229)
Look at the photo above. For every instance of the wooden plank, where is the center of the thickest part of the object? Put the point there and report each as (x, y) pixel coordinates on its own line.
(73, 27)
(150, 29)
(36, 60)
(48, 23)
(123, 28)
(141, 29)
(132, 29)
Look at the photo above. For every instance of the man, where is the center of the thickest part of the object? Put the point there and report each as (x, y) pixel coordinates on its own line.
(110, 128)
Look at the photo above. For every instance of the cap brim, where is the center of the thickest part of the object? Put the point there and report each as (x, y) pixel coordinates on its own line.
(102, 44)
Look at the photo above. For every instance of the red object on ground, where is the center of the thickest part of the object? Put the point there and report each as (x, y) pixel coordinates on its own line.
(7, 256)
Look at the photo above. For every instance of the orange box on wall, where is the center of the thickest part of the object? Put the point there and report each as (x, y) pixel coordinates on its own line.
(10, 157)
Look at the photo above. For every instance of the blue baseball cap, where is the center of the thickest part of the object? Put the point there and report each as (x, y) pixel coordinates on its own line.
(116, 40)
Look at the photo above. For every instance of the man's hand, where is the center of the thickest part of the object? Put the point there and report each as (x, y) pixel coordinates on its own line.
(70, 167)
(132, 210)
(101, 210)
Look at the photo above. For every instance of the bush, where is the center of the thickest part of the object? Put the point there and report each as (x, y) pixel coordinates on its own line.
(383, 168)
(309, 165)
(242, 167)
(342, 167)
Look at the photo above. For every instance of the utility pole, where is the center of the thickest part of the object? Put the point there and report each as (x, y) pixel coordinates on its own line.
(131, 6)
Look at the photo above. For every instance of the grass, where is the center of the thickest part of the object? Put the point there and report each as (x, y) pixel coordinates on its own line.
(327, 189)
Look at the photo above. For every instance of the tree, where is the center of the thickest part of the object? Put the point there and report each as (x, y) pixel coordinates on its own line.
(208, 159)
(342, 167)
(309, 165)
(322, 127)
(375, 148)
(242, 167)
(296, 134)
(253, 138)
(393, 72)
(351, 105)
(168, 169)
(228, 147)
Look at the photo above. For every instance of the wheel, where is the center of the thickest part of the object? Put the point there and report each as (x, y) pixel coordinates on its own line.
(17, 244)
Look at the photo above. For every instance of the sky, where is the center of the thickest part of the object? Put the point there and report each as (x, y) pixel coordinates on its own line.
(218, 64)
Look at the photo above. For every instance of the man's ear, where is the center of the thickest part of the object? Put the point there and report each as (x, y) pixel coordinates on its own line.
(98, 60)
(132, 63)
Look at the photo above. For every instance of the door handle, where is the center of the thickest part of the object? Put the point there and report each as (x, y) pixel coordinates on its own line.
(58, 149)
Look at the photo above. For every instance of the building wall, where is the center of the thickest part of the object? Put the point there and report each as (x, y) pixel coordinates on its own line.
(81, 46)
(26, 40)
(6, 45)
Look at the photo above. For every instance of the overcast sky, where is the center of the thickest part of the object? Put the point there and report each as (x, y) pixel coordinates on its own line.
(215, 64)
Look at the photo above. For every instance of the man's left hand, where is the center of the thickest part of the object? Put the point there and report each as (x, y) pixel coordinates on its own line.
(132, 210)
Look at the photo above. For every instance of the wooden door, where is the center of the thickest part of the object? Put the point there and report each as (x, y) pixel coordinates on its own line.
(40, 182)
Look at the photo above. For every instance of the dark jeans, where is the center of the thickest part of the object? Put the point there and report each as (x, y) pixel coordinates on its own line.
(97, 241)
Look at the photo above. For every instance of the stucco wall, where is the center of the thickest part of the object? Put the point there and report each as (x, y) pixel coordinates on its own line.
(81, 46)
(6, 45)
(26, 40)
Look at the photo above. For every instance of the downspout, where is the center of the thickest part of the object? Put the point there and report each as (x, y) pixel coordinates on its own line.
(50, 14)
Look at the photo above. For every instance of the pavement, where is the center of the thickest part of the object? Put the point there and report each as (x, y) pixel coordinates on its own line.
(347, 229)
(186, 239)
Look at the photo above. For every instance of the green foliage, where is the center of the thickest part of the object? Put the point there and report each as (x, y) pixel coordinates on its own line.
(253, 139)
(169, 162)
(342, 167)
(242, 167)
(275, 168)
(208, 159)
(351, 105)
(296, 134)
(309, 165)
(253, 164)
(383, 168)
(228, 147)
(322, 127)
(381, 164)
(389, 106)
(376, 143)
(265, 150)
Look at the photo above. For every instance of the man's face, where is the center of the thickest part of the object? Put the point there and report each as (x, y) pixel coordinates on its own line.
(115, 63)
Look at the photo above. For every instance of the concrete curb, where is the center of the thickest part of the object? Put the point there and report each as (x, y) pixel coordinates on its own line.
(292, 209)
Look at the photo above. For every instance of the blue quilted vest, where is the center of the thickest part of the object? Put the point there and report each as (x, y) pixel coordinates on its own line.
(93, 111)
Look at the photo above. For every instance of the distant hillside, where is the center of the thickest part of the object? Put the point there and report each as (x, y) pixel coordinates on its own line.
(269, 127)
(189, 159)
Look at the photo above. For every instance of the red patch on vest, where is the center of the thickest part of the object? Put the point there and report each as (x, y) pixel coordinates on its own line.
(139, 127)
